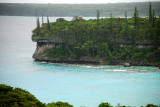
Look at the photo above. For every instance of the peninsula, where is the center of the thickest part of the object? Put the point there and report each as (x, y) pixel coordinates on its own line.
(111, 40)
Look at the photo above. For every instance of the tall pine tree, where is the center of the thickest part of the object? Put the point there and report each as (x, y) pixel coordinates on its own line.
(98, 15)
(48, 24)
(135, 32)
(42, 19)
(150, 13)
(36, 20)
(126, 27)
(38, 25)
(135, 16)
(125, 14)
(153, 19)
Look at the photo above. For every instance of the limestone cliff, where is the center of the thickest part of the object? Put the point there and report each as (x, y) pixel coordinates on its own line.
(43, 44)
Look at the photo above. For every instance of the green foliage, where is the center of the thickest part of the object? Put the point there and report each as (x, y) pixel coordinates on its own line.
(59, 53)
(151, 105)
(106, 104)
(59, 104)
(60, 20)
(17, 97)
(85, 38)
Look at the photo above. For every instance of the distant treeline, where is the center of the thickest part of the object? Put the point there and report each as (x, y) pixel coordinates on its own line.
(117, 9)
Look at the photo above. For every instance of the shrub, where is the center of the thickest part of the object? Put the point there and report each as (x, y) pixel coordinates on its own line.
(59, 104)
(105, 104)
(151, 105)
(17, 97)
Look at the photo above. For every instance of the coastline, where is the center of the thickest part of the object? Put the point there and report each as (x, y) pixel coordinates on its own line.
(41, 55)
(94, 63)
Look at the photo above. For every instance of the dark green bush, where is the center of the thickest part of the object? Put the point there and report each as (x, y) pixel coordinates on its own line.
(105, 104)
(59, 104)
(17, 97)
(151, 105)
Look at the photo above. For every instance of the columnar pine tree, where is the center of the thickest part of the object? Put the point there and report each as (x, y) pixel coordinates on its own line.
(135, 16)
(125, 14)
(111, 27)
(153, 19)
(42, 19)
(111, 15)
(36, 19)
(98, 15)
(150, 12)
(48, 24)
(126, 28)
(136, 19)
(38, 25)
(134, 33)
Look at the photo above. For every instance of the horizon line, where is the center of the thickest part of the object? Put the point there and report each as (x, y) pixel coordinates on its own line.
(77, 3)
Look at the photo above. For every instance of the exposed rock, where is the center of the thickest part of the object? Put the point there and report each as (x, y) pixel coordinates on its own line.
(126, 64)
(38, 55)
(60, 20)
(77, 18)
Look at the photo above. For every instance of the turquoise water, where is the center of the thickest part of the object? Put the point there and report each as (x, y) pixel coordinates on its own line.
(80, 85)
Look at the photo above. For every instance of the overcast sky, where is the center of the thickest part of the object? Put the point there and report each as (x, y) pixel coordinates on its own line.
(71, 1)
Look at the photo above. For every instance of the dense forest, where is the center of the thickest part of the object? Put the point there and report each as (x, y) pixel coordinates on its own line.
(117, 9)
(17, 97)
(100, 39)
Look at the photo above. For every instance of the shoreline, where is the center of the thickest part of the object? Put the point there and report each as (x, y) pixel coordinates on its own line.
(94, 63)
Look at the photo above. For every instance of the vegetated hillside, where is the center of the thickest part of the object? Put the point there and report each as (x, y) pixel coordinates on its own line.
(98, 39)
(117, 9)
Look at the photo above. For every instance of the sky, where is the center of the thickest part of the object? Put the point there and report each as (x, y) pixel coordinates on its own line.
(72, 1)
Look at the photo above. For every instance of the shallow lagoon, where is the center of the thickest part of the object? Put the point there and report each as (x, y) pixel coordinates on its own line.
(79, 85)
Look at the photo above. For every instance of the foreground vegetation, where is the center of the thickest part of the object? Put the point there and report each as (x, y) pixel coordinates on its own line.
(17, 97)
(100, 39)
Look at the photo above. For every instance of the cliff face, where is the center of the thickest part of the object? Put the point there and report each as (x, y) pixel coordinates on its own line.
(39, 50)
(44, 44)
